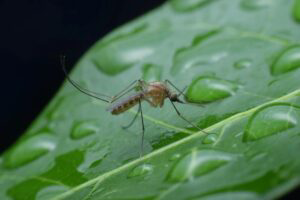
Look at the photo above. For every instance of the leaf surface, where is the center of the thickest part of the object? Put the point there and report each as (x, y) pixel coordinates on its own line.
(240, 60)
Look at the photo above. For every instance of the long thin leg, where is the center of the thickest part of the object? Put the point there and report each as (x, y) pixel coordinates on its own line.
(133, 120)
(182, 91)
(143, 130)
(78, 87)
(176, 88)
(179, 114)
(124, 91)
(94, 94)
(128, 89)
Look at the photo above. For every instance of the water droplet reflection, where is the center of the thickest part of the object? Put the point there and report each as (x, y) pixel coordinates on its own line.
(296, 10)
(140, 170)
(151, 72)
(198, 163)
(83, 129)
(242, 64)
(209, 89)
(29, 149)
(271, 119)
(210, 139)
(288, 60)
(188, 5)
(255, 4)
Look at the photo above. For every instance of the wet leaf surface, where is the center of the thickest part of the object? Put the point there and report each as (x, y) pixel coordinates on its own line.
(240, 63)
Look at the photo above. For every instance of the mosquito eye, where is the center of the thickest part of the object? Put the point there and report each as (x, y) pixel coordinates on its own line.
(173, 97)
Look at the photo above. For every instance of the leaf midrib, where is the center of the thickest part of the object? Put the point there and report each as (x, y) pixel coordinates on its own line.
(102, 177)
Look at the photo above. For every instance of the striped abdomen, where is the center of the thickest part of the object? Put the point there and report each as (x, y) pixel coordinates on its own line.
(126, 104)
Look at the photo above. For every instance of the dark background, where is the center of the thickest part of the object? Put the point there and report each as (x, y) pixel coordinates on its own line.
(33, 34)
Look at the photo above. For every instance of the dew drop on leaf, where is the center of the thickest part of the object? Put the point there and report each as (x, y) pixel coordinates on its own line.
(140, 170)
(242, 64)
(188, 57)
(151, 72)
(83, 129)
(288, 60)
(188, 5)
(209, 89)
(271, 119)
(255, 4)
(29, 149)
(198, 163)
(210, 138)
(296, 10)
(63, 172)
(121, 53)
(53, 111)
(176, 156)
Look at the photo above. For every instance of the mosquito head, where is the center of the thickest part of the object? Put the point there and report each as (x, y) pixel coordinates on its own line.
(174, 98)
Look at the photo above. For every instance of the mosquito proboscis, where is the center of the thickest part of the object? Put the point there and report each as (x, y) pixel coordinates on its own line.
(154, 93)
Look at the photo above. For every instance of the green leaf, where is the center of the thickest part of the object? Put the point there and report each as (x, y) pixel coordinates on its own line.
(240, 59)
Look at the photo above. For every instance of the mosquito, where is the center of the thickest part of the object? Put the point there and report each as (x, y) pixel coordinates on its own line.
(155, 93)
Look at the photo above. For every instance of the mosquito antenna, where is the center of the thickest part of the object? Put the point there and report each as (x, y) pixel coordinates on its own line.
(77, 86)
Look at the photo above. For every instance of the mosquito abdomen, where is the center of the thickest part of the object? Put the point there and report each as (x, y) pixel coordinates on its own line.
(126, 104)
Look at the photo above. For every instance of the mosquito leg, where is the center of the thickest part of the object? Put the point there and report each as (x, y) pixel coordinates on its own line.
(179, 114)
(116, 97)
(78, 87)
(143, 130)
(133, 120)
(176, 88)
(124, 91)
(181, 92)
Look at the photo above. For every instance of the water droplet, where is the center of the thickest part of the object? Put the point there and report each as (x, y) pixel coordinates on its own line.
(94, 157)
(64, 172)
(83, 129)
(296, 10)
(271, 119)
(151, 72)
(198, 163)
(176, 156)
(242, 64)
(210, 139)
(29, 149)
(121, 53)
(67, 165)
(288, 60)
(209, 89)
(255, 4)
(259, 156)
(51, 192)
(53, 110)
(188, 5)
(140, 170)
(96, 163)
(188, 57)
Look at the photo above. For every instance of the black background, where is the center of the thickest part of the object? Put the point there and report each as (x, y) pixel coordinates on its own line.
(33, 34)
